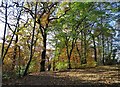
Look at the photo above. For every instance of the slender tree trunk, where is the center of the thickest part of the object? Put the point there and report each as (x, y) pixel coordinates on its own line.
(78, 51)
(19, 67)
(82, 47)
(111, 47)
(53, 64)
(99, 51)
(15, 52)
(69, 64)
(49, 65)
(12, 36)
(103, 53)
(5, 28)
(85, 48)
(9, 45)
(108, 49)
(32, 42)
(108, 45)
(95, 50)
(16, 41)
(68, 54)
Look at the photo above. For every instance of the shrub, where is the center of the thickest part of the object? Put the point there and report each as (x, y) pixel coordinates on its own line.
(61, 66)
(83, 66)
(20, 70)
(92, 64)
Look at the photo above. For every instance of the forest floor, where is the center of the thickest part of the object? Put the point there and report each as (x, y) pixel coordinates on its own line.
(106, 75)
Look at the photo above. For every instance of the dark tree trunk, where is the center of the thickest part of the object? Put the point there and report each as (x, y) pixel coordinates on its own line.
(85, 48)
(103, 53)
(19, 56)
(111, 46)
(15, 53)
(53, 64)
(9, 45)
(49, 66)
(68, 54)
(42, 64)
(78, 51)
(95, 50)
(81, 47)
(69, 64)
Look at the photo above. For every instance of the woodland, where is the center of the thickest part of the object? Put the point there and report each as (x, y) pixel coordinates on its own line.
(59, 43)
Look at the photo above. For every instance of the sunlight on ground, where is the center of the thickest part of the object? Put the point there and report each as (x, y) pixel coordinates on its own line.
(101, 76)
(73, 76)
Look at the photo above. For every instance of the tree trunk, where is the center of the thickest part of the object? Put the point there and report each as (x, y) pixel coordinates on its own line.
(78, 51)
(19, 67)
(95, 50)
(53, 64)
(42, 64)
(12, 36)
(5, 28)
(16, 41)
(15, 53)
(85, 48)
(68, 54)
(103, 53)
(81, 47)
(69, 64)
(32, 42)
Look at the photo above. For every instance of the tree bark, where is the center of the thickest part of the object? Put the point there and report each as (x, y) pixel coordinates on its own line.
(85, 48)
(42, 67)
(15, 53)
(19, 56)
(95, 50)
(78, 51)
(68, 54)
(103, 53)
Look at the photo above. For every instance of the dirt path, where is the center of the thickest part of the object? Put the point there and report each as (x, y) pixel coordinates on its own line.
(101, 75)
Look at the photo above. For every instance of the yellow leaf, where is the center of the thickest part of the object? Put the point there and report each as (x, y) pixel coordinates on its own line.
(44, 19)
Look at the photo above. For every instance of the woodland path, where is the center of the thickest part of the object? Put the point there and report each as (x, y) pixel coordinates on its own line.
(102, 75)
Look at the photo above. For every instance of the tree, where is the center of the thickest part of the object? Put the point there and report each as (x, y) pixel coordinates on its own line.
(5, 28)
(32, 41)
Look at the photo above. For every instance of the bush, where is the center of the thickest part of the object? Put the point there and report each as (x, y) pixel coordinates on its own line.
(5, 76)
(83, 66)
(20, 70)
(111, 62)
(88, 65)
(61, 66)
(92, 64)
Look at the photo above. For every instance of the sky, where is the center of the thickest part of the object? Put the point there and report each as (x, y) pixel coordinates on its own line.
(1, 30)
